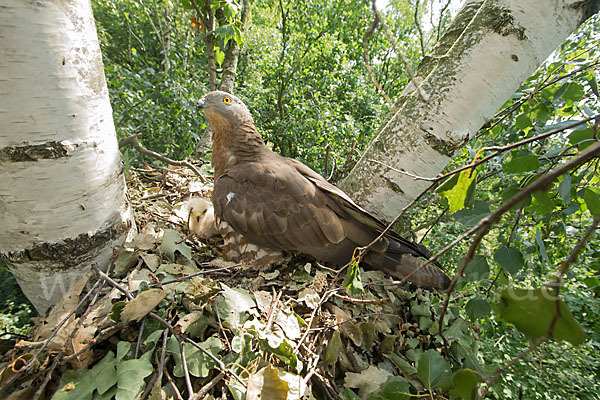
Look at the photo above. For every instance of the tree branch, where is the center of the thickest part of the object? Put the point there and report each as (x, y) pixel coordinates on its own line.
(134, 142)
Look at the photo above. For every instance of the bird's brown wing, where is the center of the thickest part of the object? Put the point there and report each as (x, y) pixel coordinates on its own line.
(274, 206)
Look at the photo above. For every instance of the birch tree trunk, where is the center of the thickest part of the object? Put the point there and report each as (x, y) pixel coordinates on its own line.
(491, 47)
(62, 198)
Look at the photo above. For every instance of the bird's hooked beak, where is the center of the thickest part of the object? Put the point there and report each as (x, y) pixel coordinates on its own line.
(201, 104)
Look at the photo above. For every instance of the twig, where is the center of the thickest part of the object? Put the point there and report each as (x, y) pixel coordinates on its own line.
(327, 148)
(177, 393)
(195, 274)
(400, 171)
(186, 374)
(418, 24)
(221, 329)
(139, 341)
(204, 391)
(322, 300)
(134, 142)
(363, 301)
(400, 54)
(158, 375)
(272, 309)
(370, 71)
(40, 390)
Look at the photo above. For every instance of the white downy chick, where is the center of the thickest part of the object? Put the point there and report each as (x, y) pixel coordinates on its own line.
(201, 218)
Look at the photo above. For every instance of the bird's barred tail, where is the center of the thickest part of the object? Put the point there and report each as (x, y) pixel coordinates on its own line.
(412, 268)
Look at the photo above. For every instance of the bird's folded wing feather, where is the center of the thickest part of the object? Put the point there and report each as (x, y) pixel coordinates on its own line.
(276, 207)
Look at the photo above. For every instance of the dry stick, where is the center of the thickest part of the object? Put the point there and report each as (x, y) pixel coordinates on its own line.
(173, 385)
(186, 374)
(139, 341)
(221, 329)
(204, 391)
(400, 171)
(322, 300)
(40, 390)
(195, 274)
(364, 301)
(272, 309)
(564, 266)
(400, 54)
(135, 143)
(483, 226)
(158, 375)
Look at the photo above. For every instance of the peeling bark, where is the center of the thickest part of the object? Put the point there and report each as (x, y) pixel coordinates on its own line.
(489, 50)
(63, 203)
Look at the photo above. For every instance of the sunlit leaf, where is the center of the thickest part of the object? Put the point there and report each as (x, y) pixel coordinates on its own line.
(521, 164)
(459, 192)
(592, 200)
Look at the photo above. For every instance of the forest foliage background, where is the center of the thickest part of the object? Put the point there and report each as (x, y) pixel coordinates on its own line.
(302, 73)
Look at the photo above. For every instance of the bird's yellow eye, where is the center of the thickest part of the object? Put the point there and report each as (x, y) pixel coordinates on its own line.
(226, 100)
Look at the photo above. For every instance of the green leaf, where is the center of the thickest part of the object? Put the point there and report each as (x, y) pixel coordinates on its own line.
(234, 306)
(509, 258)
(465, 384)
(532, 310)
(592, 200)
(432, 369)
(130, 375)
(285, 352)
(582, 135)
(541, 203)
(470, 217)
(352, 281)
(404, 366)
(332, 350)
(477, 269)
(574, 93)
(198, 363)
(521, 164)
(105, 373)
(75, 385)
(459, 192)
(219, 57)
(560, 91)
(171, 243)
(395, 389)
(478, 308)
(564, 189)
(541, 247)
(594, 84)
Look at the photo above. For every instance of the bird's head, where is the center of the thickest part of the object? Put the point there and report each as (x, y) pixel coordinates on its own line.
(222, 107)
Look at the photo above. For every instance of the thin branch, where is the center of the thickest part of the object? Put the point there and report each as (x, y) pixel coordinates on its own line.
(483, 226)
(134, 142)
(186, 373)
(418, 24)
(400, 54)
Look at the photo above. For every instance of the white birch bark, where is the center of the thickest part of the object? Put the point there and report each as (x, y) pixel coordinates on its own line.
(62, 190)
(490, 49)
